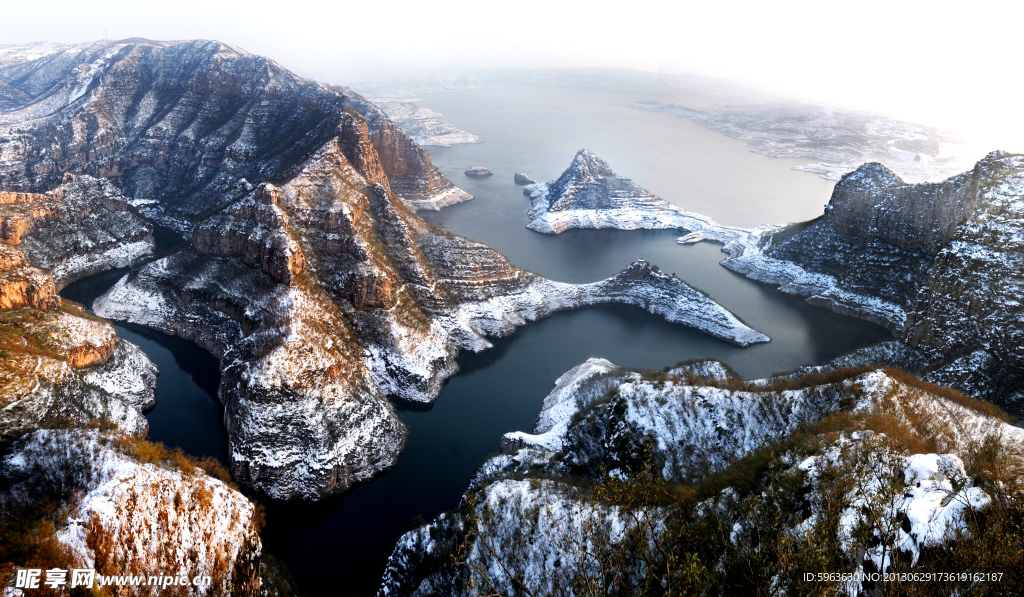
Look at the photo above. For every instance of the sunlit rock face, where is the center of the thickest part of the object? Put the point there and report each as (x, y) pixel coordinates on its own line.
(82, 227)
(127, 511)
(59, 366)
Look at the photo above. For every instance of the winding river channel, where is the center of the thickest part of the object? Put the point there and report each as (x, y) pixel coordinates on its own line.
(340, 546)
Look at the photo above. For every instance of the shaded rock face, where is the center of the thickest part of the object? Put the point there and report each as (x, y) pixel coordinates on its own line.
(184, 124)
(585, 169)
(872, 203)
(944, 256)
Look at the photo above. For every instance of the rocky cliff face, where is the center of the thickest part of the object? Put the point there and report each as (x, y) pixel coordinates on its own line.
(873, 204)
(590, 195)
(405, 164)
(936, 263)
(82, 227)
(254, 229)
(60, 366)
(24, 285)
(968, 316)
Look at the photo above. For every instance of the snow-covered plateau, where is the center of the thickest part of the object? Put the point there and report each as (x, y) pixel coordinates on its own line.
(634, 479)
(833, 136)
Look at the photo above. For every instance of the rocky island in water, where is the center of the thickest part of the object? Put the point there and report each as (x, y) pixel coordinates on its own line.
(590, 195)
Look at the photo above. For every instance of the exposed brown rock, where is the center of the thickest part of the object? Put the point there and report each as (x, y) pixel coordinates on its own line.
(18, 212)
(23, 284)
(255, 230)
(88, 354)
(369, 291)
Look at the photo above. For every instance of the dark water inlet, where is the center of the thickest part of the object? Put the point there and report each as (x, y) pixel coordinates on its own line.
(187, 413)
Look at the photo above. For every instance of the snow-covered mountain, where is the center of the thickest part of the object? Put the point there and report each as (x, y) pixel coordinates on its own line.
(590, 195)
(305, 270)
(633, 481)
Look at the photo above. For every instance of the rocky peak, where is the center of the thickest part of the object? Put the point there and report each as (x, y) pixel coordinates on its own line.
(589, 177)
(872, 203)
(586, 166)
(589, 194)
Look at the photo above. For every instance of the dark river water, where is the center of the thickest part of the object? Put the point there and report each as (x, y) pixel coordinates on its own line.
(340, 546)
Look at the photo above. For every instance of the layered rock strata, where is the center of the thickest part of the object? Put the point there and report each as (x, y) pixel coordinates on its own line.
(590, 195)
(82, 227)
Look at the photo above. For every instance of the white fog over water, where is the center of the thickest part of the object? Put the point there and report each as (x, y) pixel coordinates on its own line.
(943, 64)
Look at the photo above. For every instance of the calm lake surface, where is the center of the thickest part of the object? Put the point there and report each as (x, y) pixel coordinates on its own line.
(340, 546)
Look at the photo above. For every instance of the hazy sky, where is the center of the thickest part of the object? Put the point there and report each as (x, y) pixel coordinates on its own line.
(950, 64)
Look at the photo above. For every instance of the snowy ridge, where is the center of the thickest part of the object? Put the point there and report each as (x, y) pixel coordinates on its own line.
(589, 195)
(574, 390)
(697, 429)
(440, 200)
(930, 493)
(532, 528)
(638, 285)
(146, 518)
(81, 265)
